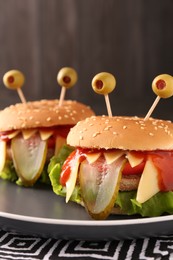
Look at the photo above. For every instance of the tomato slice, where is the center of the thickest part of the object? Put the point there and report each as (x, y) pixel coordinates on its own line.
(128, 170)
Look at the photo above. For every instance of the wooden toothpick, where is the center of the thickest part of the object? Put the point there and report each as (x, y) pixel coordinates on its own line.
(152, 107)
(104, 83)
(66, 78)
(108, 105)
(14, 79)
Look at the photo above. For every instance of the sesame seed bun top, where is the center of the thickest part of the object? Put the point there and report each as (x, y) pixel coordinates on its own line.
(127, 133)
(43, 113)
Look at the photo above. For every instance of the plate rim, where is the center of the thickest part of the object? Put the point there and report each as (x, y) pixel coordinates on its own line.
(117, 222)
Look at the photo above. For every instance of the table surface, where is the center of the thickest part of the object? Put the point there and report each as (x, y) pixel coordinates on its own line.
(17, 246)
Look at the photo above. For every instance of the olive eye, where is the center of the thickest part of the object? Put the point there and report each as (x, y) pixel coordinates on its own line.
(67, 77)
(162, 85)
(103, 83)
(13, 79)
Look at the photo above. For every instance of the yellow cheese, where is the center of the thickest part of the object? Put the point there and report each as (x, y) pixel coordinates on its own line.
(45, 134)
(133, 160)
(111, 156)
(13, 134)
(148, 185)
(3, 154)
(27, 133)
(59, 142)
(70, 184)
(92, 157)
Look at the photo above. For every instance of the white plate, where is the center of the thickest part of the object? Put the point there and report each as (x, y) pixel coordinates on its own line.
(38, 211)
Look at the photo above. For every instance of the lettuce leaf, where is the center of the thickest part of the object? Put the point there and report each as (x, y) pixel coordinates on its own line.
(54, 170)
(159, 204)
(60, 158)
(8, 172)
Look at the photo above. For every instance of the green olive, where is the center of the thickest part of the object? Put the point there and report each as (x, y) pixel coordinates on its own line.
(67, 77)
(103, 83)
(162, 85)
(13, 79)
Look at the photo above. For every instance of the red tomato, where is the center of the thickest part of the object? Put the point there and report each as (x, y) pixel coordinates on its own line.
(163, 161)
(133, 170)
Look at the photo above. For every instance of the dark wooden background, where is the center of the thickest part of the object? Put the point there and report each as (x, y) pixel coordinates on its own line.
(132, 39)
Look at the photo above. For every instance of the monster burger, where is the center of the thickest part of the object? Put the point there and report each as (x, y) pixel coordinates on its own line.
(31, 133)
(121, 165)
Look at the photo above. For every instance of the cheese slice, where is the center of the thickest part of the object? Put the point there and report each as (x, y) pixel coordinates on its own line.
(111, 156)
(13, 134)
(148, 185)
(70, 184)
(133, 160)
(45, 134)
(27, 133)
(59, 142)
(3, 149)
(92, 157)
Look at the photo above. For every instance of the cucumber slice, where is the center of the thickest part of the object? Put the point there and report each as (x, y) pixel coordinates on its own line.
(29, 157)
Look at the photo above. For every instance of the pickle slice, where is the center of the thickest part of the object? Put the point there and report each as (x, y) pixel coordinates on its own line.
(99, 184)
(29, 157)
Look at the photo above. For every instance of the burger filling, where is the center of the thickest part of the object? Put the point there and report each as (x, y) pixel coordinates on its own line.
(137, 182)
(25, 154)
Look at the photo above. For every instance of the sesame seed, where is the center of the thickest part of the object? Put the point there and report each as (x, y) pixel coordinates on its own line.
(114, 133)
(48, 119)
(151, 134)
(73, 118)
(31, 117)
(37, 122)
(60, 117)
(107, 128)
(95, 134)
(81, 137)
(124, 127)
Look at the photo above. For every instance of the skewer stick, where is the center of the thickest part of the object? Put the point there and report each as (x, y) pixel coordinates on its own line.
(14, 79)
(108, 105)
(162, 86)
(66, 78)
(62, 96)
(152, 107)
(104, 83)
(21, 95)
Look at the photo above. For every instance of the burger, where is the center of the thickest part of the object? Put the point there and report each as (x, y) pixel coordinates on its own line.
(31, 133)
(120, 165)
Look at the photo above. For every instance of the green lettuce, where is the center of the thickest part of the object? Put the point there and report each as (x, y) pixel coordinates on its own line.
(54, 170)
(8, 172)
(160, 203)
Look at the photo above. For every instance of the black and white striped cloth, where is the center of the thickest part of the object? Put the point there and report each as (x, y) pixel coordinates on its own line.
(23, 247)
